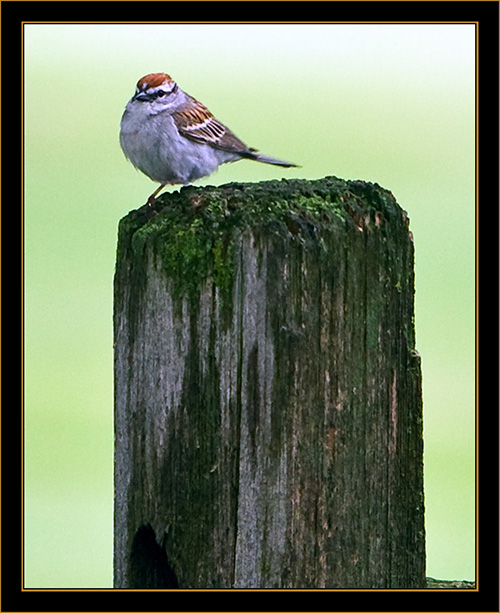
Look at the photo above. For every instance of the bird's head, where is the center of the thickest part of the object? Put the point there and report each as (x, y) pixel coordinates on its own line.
(158, 90)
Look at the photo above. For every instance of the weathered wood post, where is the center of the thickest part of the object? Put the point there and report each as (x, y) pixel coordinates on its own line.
(268, 417)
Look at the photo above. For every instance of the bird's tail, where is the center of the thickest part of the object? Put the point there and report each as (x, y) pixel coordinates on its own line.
(259, 157)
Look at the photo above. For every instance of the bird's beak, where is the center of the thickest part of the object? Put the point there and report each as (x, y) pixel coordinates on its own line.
(143, 97)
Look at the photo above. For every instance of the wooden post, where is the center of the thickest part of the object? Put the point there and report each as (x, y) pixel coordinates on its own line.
(268, 412)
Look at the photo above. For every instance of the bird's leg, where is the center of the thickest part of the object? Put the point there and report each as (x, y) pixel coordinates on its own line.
(151, 200)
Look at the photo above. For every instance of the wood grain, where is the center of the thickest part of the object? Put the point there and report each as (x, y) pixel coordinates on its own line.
(268, 411)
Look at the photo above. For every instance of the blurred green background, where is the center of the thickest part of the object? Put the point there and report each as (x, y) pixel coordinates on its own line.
(393, 104)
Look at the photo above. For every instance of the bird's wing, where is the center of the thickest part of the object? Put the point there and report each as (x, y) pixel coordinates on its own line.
(196, 122)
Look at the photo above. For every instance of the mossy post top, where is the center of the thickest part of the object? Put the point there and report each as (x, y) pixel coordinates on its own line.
(254, 205)
(195, 227)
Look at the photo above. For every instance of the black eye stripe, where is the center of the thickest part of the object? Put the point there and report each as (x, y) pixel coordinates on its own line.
(161, 92)
(144, 96)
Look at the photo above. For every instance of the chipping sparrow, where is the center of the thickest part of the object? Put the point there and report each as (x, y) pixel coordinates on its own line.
(172, 138)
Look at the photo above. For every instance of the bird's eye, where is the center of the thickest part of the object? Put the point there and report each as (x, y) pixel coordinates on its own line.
(161, 93)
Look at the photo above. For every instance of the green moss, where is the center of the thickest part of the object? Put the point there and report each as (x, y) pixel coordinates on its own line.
(193, 231)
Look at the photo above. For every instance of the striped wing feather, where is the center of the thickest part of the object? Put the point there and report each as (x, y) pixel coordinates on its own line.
(198, 124)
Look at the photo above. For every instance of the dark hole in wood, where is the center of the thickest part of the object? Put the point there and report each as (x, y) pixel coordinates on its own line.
(149, 566)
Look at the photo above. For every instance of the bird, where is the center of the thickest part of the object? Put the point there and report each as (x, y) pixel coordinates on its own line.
(174, 139)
